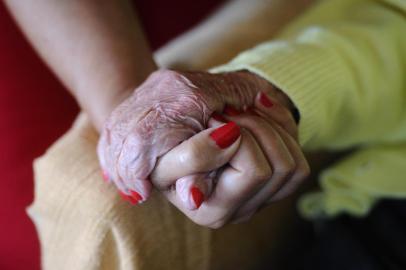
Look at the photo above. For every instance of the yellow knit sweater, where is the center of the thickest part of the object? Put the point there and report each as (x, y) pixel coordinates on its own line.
(343, 64)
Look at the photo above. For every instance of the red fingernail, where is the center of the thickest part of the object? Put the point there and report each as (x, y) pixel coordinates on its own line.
(197, 196)
(106, 177)
(265, 100)
(224, 136)
(136, 196)
(123, 195)
(218, 117)
(230, 111)
(127, 198)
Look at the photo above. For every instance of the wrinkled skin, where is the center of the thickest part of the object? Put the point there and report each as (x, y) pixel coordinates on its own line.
(168, 108)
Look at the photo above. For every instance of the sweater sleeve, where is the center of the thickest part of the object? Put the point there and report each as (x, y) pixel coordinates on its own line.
(356, 183)
(343, 65)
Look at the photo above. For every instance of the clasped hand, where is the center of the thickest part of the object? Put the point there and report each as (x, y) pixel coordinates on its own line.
(218, 146)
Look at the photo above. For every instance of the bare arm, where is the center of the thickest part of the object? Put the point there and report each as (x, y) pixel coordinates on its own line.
(95, 47)
(235, 27)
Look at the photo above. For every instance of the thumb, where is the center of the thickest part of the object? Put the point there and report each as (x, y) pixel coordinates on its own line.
(204, 152)
(193, 190)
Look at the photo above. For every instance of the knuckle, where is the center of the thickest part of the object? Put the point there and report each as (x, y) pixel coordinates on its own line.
(191, 157)
(291, 128)
(163, 73)
(305, 171)
(169, 76)
(285, 119)
(258, 175)
(286, 168)
(263, 174)
(285, 113)
(251, 121)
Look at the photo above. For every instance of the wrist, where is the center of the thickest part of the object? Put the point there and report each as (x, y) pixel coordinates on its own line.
(99, 109)
(107, 94)
(264, 85)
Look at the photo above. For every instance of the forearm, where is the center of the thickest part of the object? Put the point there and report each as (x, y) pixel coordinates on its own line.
(96, 48)
(236, 26)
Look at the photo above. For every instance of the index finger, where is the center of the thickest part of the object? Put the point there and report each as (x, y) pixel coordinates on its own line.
(204, 152)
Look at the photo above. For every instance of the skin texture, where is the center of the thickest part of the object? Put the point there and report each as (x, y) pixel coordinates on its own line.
(167, 109)
(100, 56)
(159, 131)
(264, 165)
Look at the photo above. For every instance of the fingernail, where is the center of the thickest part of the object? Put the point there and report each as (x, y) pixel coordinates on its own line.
(230, 111)
(218, 117)
(136, 196)
(127, 198)
(226, 135)
(197, 196)
(123, 195)
(265, 100)
(106, 177)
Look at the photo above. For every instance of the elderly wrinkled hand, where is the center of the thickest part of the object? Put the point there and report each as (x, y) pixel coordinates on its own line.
(168, 108)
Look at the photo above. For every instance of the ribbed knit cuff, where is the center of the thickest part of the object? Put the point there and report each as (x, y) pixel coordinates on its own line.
(307, 73)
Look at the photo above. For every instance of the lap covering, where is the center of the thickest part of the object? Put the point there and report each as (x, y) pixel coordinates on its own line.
(83, 223)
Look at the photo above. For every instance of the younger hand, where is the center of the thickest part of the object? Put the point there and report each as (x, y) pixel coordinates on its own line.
(168, 108)
(214, 185)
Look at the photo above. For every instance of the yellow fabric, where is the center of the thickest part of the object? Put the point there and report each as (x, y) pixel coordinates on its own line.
(343, 64)
(83, 224)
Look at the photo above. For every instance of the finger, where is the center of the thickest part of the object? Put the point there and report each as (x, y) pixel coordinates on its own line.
(276, 152)
(270, 108)
(204, 152)
(135, 190)
(272, 145)
(296, 177)
(102, 159)
(302, 169)
(245, 174)
(105, 155)
(193, 189)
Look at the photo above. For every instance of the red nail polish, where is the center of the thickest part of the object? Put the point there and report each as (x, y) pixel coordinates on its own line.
(128, 198)
(106, 177)
(136, 196)
(230, 111)
(132, 200)
(123, 195)
(197, 196)
(265, 100)
(226, 135)
(218, 117)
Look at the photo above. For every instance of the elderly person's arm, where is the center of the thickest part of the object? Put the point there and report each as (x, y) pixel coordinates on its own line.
(96, 48)
(333, 64)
